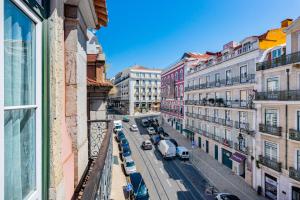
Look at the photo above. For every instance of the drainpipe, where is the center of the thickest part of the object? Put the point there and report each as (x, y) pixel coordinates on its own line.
(286, 120)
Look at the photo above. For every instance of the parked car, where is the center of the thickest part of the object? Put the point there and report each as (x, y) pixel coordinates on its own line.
(126, 119)
(139, 189)
(182, 153)
(165, 136)
(167, 149)
(124, 144)
(126, 153)
(145, 123)
(155, 139)
(134, 127)
(174, 142)
(120, 135)
(226, 196)
(147, 145)
(129, 166)
(117, 126)
(151, 130)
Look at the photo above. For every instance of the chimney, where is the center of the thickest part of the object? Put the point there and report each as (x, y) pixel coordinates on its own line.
(285, 23)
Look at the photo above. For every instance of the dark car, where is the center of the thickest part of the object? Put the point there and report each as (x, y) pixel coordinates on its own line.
(160, 130)
(124, 144)
(139, 189)
(174, 142)
(165, 136)
(120, 136)
(226, 196)
(126, 153)
(146, 145)
(155, 139)
(126, 119)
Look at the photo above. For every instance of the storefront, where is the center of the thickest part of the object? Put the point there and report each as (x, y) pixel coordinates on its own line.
(226, 155)
(270, 187)
(22, 119)
(238, 166)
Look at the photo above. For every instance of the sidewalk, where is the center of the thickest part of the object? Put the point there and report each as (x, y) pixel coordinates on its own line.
(217, 174)
(118, 177)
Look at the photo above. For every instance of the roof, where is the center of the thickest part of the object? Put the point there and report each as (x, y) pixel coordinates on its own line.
(91, 82)
(139, 67)
(101, 11)
(195, 55)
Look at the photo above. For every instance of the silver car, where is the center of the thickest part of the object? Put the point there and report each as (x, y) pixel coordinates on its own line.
(133, 127)
(129, 166)
(151, 130)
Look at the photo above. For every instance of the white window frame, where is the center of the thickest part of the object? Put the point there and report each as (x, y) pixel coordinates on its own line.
(295, 158)
(266, 82)
(277, 146)
(38, 115)
(278, 116)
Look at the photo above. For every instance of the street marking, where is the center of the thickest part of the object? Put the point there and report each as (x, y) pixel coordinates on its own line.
(156, 162)
(161, 170)
(169, 183)
(151, 154)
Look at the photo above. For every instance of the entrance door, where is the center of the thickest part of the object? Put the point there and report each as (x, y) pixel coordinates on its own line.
(207, 147)
(216, 152)
(295, 193)
(226, 158)
(199, 142)
(270, 187)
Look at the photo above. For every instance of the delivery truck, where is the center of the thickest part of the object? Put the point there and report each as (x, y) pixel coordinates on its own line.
(167, 149)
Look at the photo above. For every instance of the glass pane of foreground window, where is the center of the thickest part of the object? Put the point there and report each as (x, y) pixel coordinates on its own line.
(20, 159)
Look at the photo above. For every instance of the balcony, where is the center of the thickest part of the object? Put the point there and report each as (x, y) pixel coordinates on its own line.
(219, 102)
(272, 130)
(294, 173)
(244, 79)
(291, 95)
(242, 149)
(95, 183)
(270, 163)
(280, 61)
(294, 135)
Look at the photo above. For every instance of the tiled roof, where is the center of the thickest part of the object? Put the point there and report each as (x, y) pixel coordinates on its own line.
(101, 11)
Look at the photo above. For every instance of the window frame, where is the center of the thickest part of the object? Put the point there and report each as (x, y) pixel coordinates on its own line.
(37, 194)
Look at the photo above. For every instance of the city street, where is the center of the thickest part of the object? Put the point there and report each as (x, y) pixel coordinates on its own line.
(165, 179)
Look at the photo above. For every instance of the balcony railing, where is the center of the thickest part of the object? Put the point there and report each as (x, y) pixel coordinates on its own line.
(243, 104)
(96, 181)
(270, 163)
(176, 111)
(272, 130)
(294, 173)
(242, 149)
(247, 78)
(294, 134)
(291, 95)
(280, 61)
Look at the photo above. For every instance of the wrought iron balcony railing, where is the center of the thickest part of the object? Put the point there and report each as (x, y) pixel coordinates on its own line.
(270, 163)
(244, 104)
(246, 78)
(294, 173)
(291, 95)
(280, 61)
(272, 130)
(96, 181)
(294, 134)
(242, 149)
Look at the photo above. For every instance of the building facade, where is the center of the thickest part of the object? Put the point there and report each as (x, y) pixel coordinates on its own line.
(172, 88)
(138, 90)
(219, 105)
(277, 102)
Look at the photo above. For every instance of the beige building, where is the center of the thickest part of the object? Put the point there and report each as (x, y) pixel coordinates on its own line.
(219, 93)
(278, 118)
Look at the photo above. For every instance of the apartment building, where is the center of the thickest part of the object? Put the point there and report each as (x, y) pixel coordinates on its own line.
(219, 94)
(138, 90)
(277, 102)
(172, 87)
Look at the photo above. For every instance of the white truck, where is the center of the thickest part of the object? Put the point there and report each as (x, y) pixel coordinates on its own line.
(117, 126)
(182, 153)
(167, 149)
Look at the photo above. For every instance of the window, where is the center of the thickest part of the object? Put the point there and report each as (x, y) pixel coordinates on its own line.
(246, 47)
(298, 160)
(243, 117)
(207, 79)
(271, 150)
(276, 53)
(243, 74)
(271, 117)
(176, 91)
(298, 121)
(273, 84)
(227, 115)
(176, 76)
(20, 109)
(228, 98)
(228, 77)
(217, 79)
(181, 74)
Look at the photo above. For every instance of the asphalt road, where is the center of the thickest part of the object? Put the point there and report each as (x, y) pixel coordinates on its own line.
(165, 179)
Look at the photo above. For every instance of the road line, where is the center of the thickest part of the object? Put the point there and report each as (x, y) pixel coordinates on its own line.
(161, 170)
(169, 183)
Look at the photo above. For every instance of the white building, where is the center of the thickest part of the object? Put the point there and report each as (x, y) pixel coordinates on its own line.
(138, 90)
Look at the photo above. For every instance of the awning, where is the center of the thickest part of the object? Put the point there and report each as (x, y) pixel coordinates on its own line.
(237, 157)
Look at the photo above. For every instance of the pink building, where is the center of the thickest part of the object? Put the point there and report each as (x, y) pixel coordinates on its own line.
(172, 90)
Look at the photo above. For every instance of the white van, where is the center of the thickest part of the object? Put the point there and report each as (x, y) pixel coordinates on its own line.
(182, 153)
(117, 125)
(167, 149)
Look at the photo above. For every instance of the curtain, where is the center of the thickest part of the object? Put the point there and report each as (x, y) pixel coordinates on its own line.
(19, 90)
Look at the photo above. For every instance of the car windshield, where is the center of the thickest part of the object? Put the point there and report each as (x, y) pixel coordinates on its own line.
(130, 164)
(124, 141)
(118, 126)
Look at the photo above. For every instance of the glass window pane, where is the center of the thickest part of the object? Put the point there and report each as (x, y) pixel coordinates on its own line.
(19, 57)
(19, 155)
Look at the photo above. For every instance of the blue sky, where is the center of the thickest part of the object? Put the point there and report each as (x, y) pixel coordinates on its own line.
(155, 33)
